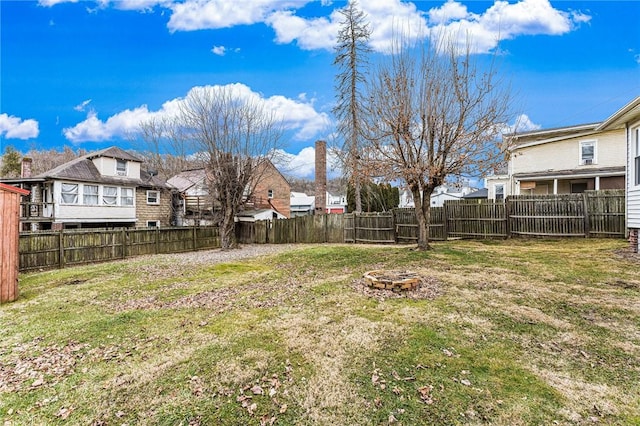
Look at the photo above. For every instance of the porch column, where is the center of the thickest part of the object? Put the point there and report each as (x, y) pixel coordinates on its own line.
(555, 187)
(597, 188)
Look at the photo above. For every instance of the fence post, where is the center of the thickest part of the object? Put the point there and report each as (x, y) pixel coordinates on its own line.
(585, 203)
(445, 216)
(507, 217)
(157, 242)
(195, 238)
(123, 236)
(61, 248)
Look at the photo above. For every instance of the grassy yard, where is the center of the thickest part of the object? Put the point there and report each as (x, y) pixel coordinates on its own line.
(505, 333)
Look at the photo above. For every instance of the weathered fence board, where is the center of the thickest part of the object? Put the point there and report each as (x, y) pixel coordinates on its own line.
(548, 215)
(592, 214)
(476, 219)
(57, 249)
(606, 213)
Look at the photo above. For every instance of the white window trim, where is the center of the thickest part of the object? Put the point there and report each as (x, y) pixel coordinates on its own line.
(595, 152)
(75, 193)
(126, 168)
(495, 190)
(270, 193)
(157, 202)
(157, 224)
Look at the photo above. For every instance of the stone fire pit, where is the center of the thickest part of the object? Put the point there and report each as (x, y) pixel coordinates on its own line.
(393, 280)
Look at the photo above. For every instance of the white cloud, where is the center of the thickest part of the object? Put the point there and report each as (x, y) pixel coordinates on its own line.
(49, 3)
(16, 128)
(219, 50)
(303, 164)
(81, 107)
(193, 15)
(299, 117)
(117, 126)
(522, 123)
(388, 19)
(394, 18)
(504, 21)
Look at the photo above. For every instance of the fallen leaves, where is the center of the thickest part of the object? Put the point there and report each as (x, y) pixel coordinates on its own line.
(33, 365)
(261, 397)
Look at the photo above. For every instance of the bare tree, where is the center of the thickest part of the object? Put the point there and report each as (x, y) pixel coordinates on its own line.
(168, 148)
(236, 136)
(433, 112)
(351, 58)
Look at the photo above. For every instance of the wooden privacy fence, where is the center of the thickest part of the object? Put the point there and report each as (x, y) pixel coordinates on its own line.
(328, 228)
(57, 249)
(591, 214)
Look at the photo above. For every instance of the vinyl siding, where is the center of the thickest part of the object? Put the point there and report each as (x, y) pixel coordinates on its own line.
(565, 155)
(633, 191)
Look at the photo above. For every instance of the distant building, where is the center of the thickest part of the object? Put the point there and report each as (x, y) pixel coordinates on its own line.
(439, 196)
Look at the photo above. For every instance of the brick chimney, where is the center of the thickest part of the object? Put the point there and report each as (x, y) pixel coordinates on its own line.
(25, 167)
(321, 177)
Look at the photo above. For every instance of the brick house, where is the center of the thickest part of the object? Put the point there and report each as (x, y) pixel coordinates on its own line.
(195, 206)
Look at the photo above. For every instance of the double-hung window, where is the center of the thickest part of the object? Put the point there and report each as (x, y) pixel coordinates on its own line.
(121, 168)
(90, 195)
(588, 152)
(499, 191)
(70, 193)
(109, 195)
(153, 197)
(126, 196)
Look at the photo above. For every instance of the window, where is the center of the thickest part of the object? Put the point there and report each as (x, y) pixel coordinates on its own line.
(587, 152)
(109, 195)
(70, 193)
(499, 188)
(153, 224)
(153, 197)
(126, 197)
(270, 193)
(90, 195)
(637, 157)
(121, 168)
(578, 187)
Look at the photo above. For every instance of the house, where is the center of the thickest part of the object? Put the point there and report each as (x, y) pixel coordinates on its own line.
(304, 205)
(438, 197)
(627, 121)
(194, 204)
(480, 194)
(102, 189)
(336, 203)
(271, 190)
(258, 214)
(563, 160)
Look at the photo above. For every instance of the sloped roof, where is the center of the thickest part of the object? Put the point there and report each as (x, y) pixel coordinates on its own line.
(187, 179)
(480, 193)
(82, 168)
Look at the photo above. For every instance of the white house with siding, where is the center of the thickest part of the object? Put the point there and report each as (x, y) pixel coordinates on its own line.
(562, 161)
(627, 120)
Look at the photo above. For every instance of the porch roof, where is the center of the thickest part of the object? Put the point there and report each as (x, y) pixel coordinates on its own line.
(572, 174)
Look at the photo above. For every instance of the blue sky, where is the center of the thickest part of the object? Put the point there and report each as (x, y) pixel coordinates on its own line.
(85, 73)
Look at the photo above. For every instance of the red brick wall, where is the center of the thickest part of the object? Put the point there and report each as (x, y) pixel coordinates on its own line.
(269, 178)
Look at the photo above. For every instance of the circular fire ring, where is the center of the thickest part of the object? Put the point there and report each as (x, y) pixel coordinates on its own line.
(392, 280)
